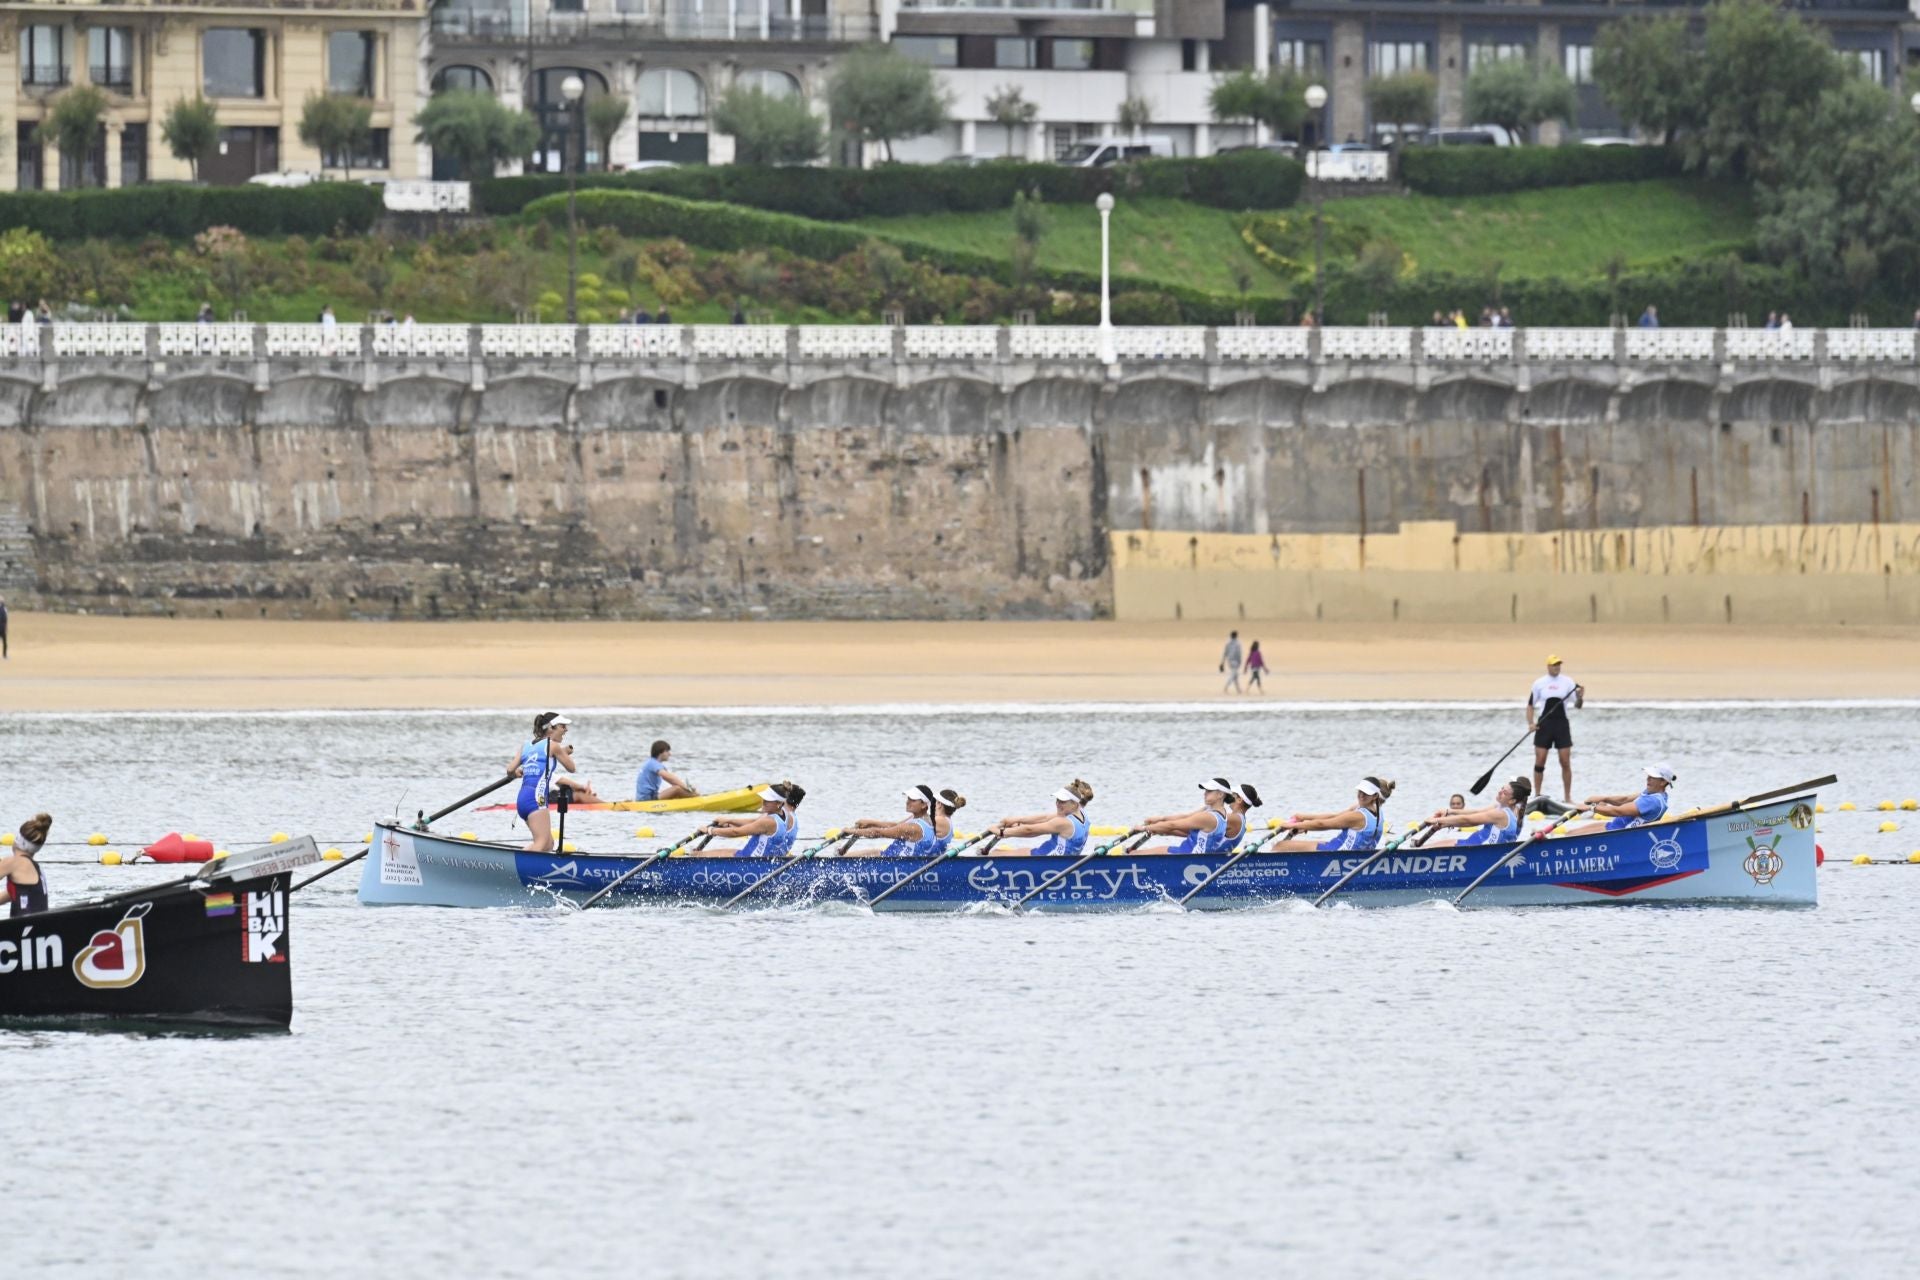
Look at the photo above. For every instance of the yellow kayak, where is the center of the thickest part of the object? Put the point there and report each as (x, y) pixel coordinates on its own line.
(740, 800)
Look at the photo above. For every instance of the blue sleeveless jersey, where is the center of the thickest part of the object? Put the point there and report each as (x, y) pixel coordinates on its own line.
(1652, 806)
(776, 845)
(1206, 841)
(1363, 839)
(1503, 834)
(1073, 844)
(536, 767)
(924, 847)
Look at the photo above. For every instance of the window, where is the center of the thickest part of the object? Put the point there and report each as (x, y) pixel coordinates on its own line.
(27, 148)
(371, 154)
(234, 62)
(1578, 62)
(1072, 55)
(110, 58)
(350, 63)
(1309, 57)
(462, 78)
(671, 94)
(43, 56)
(1480, 55)
(935, 51)
(1012, 51)
(775, 84)
(1391, 57)
(1873, 64)
(569, 6)
(133, 154)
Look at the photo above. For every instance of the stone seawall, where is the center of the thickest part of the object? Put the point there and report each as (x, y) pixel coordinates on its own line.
(870, 487)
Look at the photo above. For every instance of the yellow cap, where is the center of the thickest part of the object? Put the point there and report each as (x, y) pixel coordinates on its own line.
(1553, 659)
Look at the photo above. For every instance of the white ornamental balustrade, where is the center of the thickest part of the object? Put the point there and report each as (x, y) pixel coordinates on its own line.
(1769, 345)
(1467, 345)
(1265, 343)
(952, 342)
(634, 341)
(10, 341)
(1347, 166)
(1669, 346)
(313, 340)
(527, 341)
(846, 342)
(1348, 342)
(224, 339)
(423, 341)
(427, 197)
(100, 340)
(740, 341)
(1568, 344)
(1055, 342)
(1156, 342)
(1880, 346)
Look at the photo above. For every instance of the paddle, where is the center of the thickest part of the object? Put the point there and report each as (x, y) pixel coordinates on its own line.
(1511, 854)
(628, 875)
(1225, 866)
(1058, 876)
(1368, 861)
(845, 842)
(1552, 704)
(322, 875)
(423, 820)
(921, 870)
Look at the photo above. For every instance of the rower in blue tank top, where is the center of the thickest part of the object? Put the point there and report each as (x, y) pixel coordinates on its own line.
(1205, 829)
(1065, 828)
(770, 833)
(1239, 801)
(1499, 823)
(917, 836)
(1623, 811)
(535, 766)
(1355, 830)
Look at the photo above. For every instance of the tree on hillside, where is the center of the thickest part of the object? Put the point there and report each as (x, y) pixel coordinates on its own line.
(191, 130)
(1277, 99)
(1403, 100)
(1649, 70)
(605, 115)
(1008, 106)
(767, 129)
(476, 130)
(338, 126)
(1761, 70)
(1519, 93)
(883, 96)
(73, 123)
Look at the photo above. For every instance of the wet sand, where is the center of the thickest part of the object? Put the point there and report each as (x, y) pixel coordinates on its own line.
(67, 663)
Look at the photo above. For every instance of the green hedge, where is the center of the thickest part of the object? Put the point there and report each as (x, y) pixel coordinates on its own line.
(181, 212)
(1479, 171)
(1243, 180)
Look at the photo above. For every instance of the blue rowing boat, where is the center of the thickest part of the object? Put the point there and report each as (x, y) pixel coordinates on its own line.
(1763, 855)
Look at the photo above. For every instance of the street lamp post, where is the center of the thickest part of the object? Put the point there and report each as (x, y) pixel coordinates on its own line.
(1107, 355)
(573, 88)
(1316, 96)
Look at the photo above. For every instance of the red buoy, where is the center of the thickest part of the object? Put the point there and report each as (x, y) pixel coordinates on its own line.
(1819, 856)
(171, 848)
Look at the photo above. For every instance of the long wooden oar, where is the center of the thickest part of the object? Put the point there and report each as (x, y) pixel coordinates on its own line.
(1481, 783)
(424, 820)
(844, 841)
(925, 867)
(1058, 876)
(1368, 861)
(1539, 833)
(628, 875)
(1224, 867)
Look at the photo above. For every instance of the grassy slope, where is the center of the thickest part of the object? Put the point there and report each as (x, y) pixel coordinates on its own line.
(1569, 231)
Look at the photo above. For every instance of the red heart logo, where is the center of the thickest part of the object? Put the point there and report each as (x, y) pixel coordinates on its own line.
(108, 951)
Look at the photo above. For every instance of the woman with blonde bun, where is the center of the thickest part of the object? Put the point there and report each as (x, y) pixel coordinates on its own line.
(1355, 830)
(1065, 828)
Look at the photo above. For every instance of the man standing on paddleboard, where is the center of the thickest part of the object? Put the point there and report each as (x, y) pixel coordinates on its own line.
(1547, 705)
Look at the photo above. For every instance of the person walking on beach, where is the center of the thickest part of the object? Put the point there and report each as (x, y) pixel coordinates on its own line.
(3, 628)
(1230, 662)
(1547, 706)
(1256, 665)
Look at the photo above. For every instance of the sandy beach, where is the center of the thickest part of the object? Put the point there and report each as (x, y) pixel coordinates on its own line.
(68, 663)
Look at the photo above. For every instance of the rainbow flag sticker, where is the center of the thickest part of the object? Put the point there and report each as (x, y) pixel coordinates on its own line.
(220, 904)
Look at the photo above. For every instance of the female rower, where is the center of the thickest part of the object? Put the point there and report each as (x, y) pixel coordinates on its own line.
(1499, 823)
(914, 838)
(771, 832)
(1205, 828)
(945, 805)
(1239, 801)
(535, 768)
(1065, 828)
(1355, 830)
(26, 883)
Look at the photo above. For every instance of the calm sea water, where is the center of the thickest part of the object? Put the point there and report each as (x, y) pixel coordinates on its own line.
(1634, 1092)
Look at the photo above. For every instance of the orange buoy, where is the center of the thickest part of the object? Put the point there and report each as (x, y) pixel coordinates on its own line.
(171, 848)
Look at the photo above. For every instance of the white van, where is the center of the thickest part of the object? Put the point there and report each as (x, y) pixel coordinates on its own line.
(1093, 153)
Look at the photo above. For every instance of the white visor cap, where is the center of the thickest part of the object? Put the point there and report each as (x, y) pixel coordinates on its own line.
(770, 796)
(1366, 788)
(1066, 797)
(1662, 772)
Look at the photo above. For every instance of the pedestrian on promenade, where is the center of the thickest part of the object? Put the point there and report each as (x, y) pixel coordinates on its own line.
(1650, 318)
(1547, 705)
(1256, 666)
(1786, 323)
(3, 628)
(29, 333)
(664, 317)
(1230, 662)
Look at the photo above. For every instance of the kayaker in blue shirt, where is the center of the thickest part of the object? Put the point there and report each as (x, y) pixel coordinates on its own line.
(1065, 828)
(1205, 829)
(1501, 822)
(656, 782)
(1623, 811)
(770, 833)
(1355, 830)
(919, 835)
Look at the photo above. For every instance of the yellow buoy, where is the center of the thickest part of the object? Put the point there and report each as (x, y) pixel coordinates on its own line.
(833, 833)
(468, 835)
(6, 837)
(111, 858)
(1914, 856)
(279, 837)
(332, 855)
(643, 833)
(1889, 826)
(367, 838)
(221, 853)
(1885, 806)
(96, 839)
(1846, 806)
(189, 836)
(1862, 860)
(569, 847)
(1273, 824)
(1910, 804)
(331, 850)
(1819, 808)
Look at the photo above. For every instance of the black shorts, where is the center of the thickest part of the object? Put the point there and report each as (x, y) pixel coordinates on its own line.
(1555, 733)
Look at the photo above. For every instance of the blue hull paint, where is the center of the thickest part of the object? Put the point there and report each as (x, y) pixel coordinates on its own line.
(1763, 856)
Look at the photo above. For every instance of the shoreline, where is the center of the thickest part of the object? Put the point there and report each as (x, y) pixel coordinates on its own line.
(75, 663)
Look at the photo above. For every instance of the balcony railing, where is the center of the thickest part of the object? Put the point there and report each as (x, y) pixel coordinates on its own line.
(43, 77)
(1032, 6)
(504, 27)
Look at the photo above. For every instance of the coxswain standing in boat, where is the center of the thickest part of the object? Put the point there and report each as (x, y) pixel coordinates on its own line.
(1205, 830)
(1547, 705)
(1356, 830)
(656, 782)
(925, 832)
(1623, 811)
(26, 883)
(771, 832)
(1499, 823)
(535, 767)
(1065, 828)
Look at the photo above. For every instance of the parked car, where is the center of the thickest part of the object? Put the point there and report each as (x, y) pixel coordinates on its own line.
(1609, 141)
(1096, 152)
(284, 179)
(1277, 147)
(1479, 135)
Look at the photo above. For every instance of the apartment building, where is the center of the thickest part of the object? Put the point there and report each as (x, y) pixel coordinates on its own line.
(257, 63)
